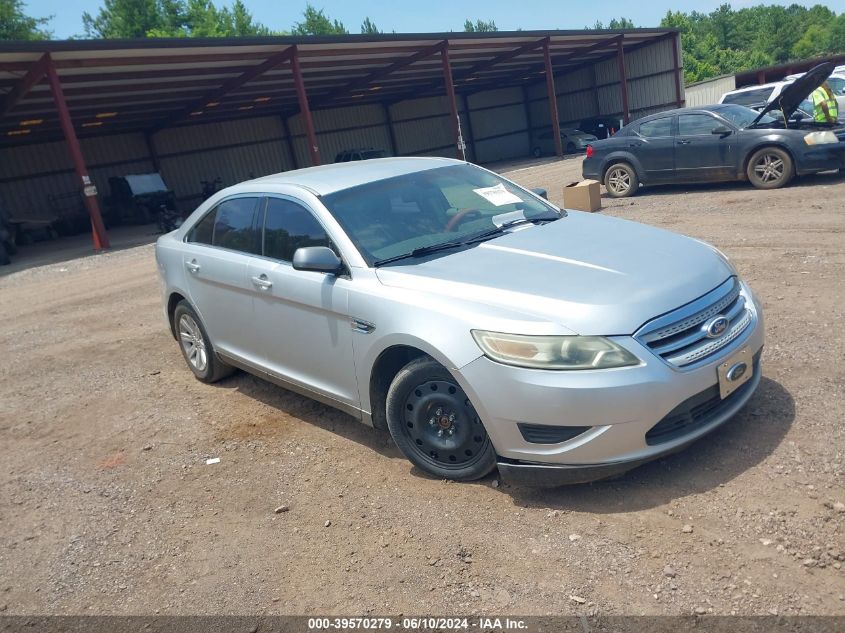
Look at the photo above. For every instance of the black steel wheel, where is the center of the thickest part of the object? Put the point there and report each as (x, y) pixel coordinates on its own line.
(435, 425)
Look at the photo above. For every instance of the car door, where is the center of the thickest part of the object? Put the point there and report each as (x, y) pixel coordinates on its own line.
(215, 256)
(653, 145)
(301, 317)
(701, 155)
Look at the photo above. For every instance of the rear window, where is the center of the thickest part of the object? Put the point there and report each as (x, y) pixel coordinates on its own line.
(656, 128)
(749, 97)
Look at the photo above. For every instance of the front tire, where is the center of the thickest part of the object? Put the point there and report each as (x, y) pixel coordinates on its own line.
(196, 346)
(435, 425)
(769, 168)
(621, 180)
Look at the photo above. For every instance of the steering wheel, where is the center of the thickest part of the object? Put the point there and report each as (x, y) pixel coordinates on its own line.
(459, 217)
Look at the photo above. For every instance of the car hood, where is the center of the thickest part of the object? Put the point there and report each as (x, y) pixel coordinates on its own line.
(792, 96)
(590, 274)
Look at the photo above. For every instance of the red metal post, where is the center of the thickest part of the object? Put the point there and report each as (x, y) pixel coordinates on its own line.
(761, 77)
(676, 45)
(550, 89)
(98, 229)
(623, 81)
(307, 121)
(453, 104)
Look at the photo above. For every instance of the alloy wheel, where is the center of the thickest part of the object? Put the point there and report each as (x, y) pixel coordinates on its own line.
(193, 343)
(619, 180)
(769, 168)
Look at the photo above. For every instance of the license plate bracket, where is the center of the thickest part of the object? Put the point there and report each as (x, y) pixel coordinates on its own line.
(735, 372)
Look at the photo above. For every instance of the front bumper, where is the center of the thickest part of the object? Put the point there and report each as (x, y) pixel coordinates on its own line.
(620, 406)
(816, 158)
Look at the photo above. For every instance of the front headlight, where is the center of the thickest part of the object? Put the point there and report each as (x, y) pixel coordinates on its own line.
(820, 138)
(554, 352)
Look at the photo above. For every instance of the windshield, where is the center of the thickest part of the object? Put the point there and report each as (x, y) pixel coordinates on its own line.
(398, 215)
(749, 97)
(741, 116)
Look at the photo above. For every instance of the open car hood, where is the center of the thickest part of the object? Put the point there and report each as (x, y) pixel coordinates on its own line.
(792, 96)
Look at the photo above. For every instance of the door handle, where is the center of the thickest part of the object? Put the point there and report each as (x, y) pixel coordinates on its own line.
(684, 142)
(262, 282)
(635, 145)
(192, 266)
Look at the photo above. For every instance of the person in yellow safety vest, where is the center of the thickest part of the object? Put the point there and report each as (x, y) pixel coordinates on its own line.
(824, 104)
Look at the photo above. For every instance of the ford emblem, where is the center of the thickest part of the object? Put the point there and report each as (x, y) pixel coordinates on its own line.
(716, 327)
(736, 372)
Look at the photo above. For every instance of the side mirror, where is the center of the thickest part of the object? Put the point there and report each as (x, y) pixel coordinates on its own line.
(540, 192)
(320, 259)
(721, 130)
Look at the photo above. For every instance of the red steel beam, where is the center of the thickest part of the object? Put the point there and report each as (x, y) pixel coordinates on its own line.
(98, 229)
(623, 82)
(385, 71)
(304, 109)
(453, 104)
(33, 76)
(550, 89)
(232, 84)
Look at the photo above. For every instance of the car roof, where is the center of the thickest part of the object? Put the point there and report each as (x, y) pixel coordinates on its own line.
(713, 109)
(327, 179)
(771, 84)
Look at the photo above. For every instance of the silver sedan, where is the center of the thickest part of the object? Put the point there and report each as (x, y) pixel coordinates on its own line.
(479, 324)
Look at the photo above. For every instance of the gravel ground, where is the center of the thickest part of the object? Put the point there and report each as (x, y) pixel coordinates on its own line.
(107, 505)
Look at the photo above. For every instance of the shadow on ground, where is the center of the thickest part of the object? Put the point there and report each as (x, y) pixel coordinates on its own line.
(742, 443)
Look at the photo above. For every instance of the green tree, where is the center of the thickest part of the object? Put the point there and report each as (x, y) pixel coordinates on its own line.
(316, 22)
(614, 24)
(15, 24)
(171, 18)
(480, 26)
(368, 27)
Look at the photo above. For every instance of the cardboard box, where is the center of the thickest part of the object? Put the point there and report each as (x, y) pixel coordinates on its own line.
(582, 196)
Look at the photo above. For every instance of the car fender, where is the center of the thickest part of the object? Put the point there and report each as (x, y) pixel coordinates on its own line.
(621, 156)
(774, 139)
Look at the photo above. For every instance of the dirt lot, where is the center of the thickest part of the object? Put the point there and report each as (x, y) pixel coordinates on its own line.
(107, 504)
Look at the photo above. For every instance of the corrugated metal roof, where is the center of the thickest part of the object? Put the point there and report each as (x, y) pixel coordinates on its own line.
(114, 86)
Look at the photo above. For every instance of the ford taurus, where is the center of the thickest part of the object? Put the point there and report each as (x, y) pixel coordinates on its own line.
(478, 323)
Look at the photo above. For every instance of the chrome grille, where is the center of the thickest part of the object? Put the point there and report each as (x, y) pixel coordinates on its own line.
(680, 337)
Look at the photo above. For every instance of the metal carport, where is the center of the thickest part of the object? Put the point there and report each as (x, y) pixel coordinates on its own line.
(70, 91)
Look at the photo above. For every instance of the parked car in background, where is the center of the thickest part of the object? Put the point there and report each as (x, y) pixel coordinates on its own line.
(424, 296)
(600, 127)
(359, 154)
(720, 142)
(755, 96)
(571, 140)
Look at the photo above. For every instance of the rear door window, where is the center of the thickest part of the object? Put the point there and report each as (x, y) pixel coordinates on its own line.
(656, 128)
(231, 224)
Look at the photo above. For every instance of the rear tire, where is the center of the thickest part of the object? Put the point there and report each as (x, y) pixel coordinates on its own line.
(769, 168)
(196, 346)
(621, 180)
(570, 148)
(435, 425)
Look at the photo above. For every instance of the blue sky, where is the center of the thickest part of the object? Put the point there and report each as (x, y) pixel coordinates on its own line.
(429, 15)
